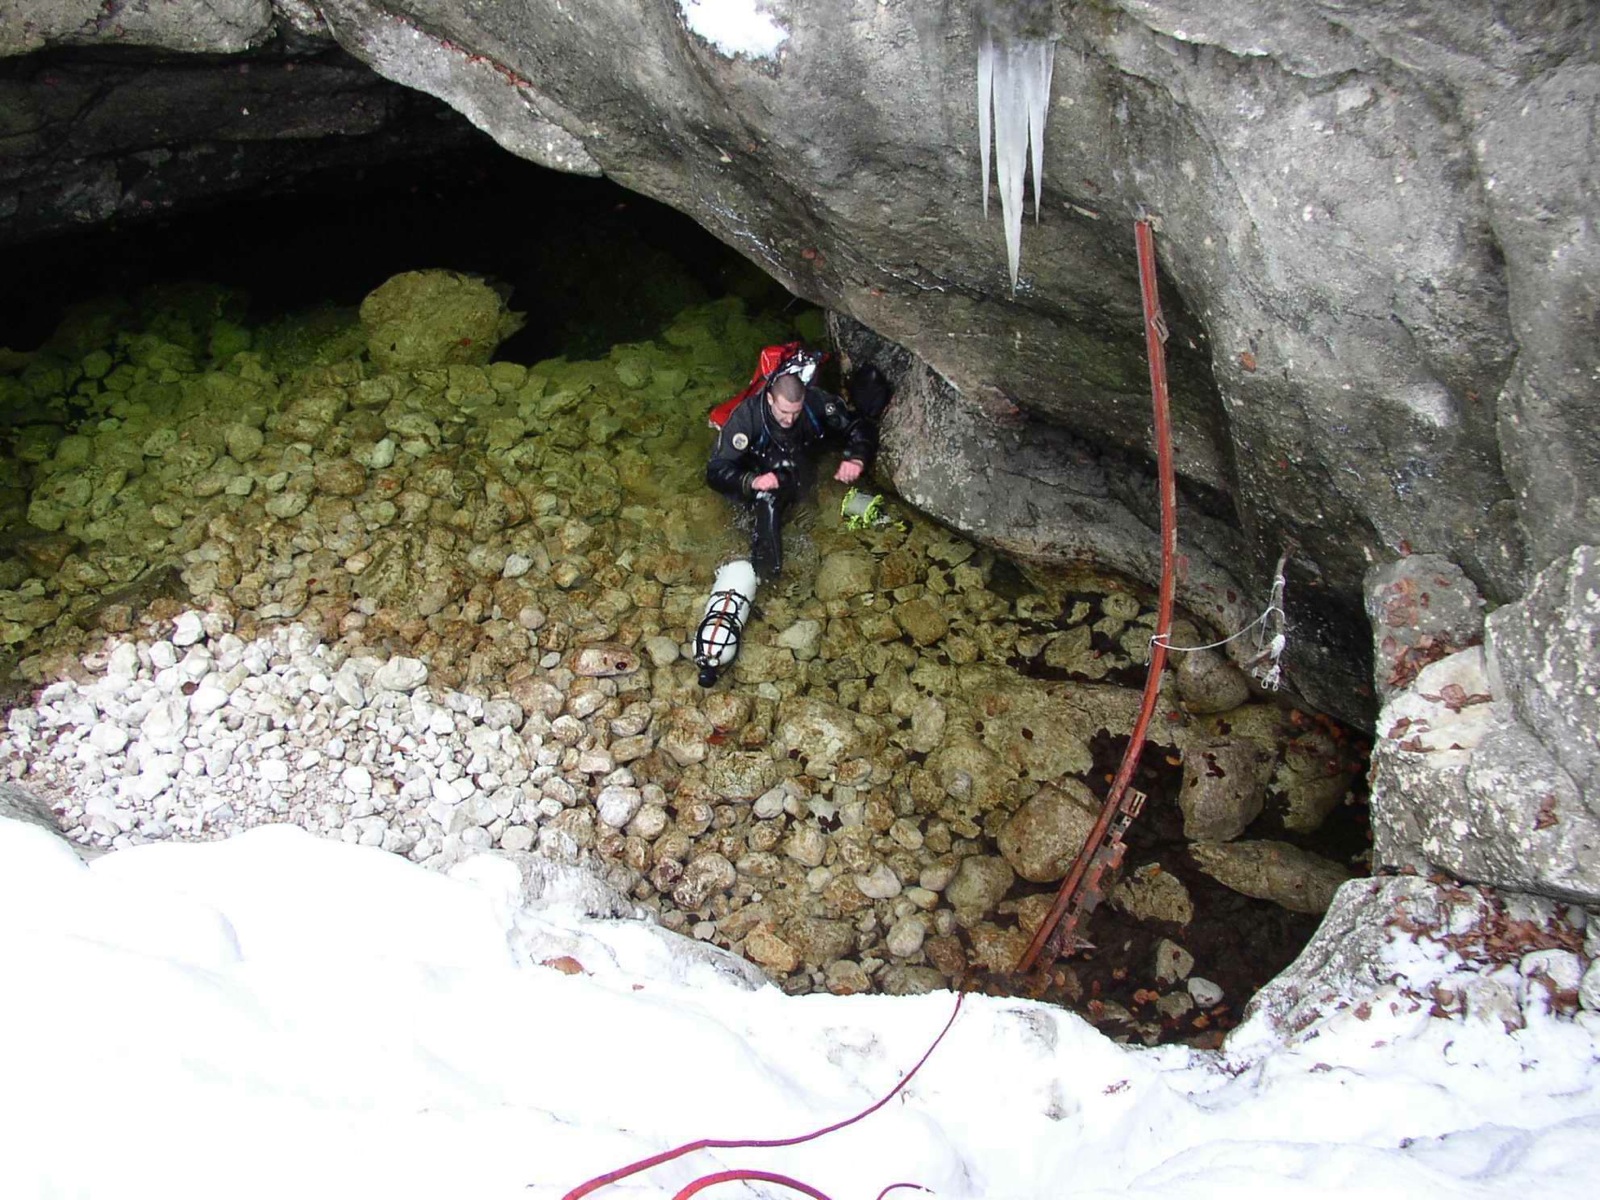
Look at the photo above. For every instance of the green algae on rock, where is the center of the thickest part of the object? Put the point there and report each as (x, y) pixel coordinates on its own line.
(435, 319)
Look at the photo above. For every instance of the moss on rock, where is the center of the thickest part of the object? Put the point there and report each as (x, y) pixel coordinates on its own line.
(433, 319)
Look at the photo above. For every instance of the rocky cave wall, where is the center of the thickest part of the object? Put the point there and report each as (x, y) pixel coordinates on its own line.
(1376, 224)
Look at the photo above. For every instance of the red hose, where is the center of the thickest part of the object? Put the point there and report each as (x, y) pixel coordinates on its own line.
(655, 1160)
(1155, 333)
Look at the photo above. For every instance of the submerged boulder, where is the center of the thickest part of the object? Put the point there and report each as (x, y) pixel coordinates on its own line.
(1275, 871)
(435, 319)
(1045, 835)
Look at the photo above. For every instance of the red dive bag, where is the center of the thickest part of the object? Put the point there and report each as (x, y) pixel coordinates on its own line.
(774, 361)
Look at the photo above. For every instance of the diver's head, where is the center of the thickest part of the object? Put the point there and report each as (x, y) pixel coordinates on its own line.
(785, 398)
(708, 676)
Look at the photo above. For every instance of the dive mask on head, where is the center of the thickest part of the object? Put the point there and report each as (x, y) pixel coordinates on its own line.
(804, 364)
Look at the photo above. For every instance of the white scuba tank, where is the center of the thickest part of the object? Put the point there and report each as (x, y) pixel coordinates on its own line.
(716, 641)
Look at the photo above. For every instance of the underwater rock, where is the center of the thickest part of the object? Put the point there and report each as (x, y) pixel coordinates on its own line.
(997, 949)
(1172, 962)
(844, 574)
(980, 884)
(766, 947)
(1044, 836)
(1275, 871)
(1148, 893)
(820, 940)
(824, 735)
(433, 319)
(605, 660)
(706, 876)
(1223, 790)
(922, 621)
(741, 776)
(1209, 683)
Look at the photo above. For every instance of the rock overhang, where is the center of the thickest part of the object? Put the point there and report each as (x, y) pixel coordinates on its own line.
(1358, 376)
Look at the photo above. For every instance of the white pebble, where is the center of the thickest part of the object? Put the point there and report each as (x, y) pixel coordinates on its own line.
(275, 770)
(1205, 993)
(357, 780)
(617, 805)
(881, 883)
(108, 738)
(400, 674)
(518, 837)
(208, 697)
(124, 661)
(187, 629)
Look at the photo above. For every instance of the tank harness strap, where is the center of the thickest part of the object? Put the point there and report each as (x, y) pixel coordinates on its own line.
(722, 614)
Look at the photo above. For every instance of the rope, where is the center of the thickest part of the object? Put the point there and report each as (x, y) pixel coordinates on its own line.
(1271, 652)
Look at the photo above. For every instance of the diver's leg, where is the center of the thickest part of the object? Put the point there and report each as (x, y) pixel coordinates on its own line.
(766, 537)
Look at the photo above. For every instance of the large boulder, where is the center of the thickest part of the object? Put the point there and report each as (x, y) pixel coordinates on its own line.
(1044, 836)
(1366, 955)
(434, 319)
(1485, 765)
(1296, 879)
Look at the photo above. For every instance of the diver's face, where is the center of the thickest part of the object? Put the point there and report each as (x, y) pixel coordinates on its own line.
(785, 412)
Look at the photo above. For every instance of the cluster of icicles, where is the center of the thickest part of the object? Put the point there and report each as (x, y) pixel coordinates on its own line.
(1013, 77)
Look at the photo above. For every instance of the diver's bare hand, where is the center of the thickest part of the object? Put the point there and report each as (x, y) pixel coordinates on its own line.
(765, 483)
(849, 471)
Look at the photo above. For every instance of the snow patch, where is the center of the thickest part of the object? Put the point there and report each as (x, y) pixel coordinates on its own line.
(734, 26)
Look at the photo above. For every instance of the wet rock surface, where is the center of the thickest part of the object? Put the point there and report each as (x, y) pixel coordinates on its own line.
(258, 577)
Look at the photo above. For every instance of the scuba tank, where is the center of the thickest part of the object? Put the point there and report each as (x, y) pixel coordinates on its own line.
(716, 641)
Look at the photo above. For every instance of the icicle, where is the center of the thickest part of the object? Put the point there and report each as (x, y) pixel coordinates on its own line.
(985, 81)
(1039, 75)
(1014, 77)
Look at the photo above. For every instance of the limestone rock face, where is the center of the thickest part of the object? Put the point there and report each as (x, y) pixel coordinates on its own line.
(1485, 765)
(215, 27)
(1422, 607)
(1544, 657)
(122, 139)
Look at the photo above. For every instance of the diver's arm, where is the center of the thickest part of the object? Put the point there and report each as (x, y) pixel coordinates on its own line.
(730, 470)
(842, 423)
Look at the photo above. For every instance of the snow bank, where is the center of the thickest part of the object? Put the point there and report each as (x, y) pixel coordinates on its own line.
(734, 26)
(276, 1015)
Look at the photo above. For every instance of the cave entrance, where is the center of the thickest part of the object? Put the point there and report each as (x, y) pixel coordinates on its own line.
(193, 425)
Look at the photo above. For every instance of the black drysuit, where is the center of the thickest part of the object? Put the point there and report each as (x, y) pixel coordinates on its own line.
(753, 443)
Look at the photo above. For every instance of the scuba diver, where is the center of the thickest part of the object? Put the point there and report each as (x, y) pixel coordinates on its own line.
(764, 452)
